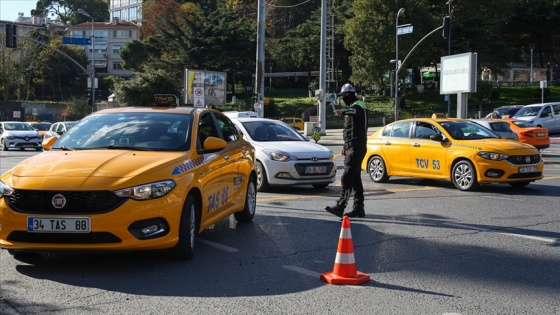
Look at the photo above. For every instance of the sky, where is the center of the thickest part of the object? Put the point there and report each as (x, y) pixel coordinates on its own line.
(9, 8)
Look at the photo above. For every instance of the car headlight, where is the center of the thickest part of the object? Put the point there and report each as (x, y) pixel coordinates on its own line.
(10, 137)
(493, 156)
(5, 190)
(147, 191)
(278, 155)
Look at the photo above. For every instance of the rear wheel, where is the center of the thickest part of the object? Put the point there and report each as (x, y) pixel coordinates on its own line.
(377, 170)
(187, 229)
(463, 176)
(3, 145)
(248, 212)
(262, 182)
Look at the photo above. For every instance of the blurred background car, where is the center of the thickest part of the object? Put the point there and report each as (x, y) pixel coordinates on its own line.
(18, 135)
(506, 111)
(498, 126)
(284, 157)
(546, 115)
(529, 133)
(294, 122)
(59, 128)
(41, 126)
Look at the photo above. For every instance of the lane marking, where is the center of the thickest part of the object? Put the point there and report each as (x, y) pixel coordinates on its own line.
(306, 272)
(218, 246)
(536, 238)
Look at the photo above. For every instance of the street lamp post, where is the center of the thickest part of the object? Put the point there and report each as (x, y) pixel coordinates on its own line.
(531, 74)
(84, 13)
(397, 65)
(449, 54)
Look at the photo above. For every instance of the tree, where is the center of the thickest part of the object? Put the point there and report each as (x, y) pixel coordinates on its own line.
(66, 10)
(139, 89)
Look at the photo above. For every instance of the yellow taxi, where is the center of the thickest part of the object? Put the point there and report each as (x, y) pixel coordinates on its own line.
(458, 150)
(135, 178)
(294, 122)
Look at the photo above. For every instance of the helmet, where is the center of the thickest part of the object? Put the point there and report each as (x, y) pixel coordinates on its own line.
(346, 88)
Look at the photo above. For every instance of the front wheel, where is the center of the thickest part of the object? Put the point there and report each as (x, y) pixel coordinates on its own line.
(248, 212)
(377, 170)
(463, 176)
(3, 145)
(187, 229)
(262, 182)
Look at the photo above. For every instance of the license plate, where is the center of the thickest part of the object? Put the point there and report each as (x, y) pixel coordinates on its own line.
(527, 169)
(26, 145)
(58, 224)
(540, 134)
(315, 169)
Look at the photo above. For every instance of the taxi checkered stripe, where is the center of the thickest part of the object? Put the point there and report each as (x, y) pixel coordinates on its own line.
(199, 161)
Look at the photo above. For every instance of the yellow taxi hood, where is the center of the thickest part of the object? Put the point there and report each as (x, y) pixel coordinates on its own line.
(498, 145)
(94, 163)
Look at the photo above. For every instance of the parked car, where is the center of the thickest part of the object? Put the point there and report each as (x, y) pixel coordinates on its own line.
(123, 179)
(284, 157)
(457, 150)
(41, 127)
(19, 135)
(296, 123)
(498, 126)
(530, 134)
(236, 114)
(506, 111)
(546, 115)
(59, 128)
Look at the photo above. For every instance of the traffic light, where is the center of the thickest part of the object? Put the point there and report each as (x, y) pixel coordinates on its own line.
(11, 35)
(446, 27)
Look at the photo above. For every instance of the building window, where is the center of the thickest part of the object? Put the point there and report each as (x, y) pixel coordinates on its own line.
(79, 33)
(117, 65)
(101, 36)
(122, 33)
(117, 48)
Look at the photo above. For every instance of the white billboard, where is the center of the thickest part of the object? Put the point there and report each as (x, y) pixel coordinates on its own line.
(210, 88)
(458, 74)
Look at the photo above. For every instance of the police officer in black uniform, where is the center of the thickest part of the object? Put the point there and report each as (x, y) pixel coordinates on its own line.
(354, 150)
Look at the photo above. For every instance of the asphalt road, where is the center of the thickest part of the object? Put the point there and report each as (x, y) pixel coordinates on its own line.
(428, 248)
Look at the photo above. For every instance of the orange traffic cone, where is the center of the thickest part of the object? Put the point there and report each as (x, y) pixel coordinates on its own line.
(344, 271)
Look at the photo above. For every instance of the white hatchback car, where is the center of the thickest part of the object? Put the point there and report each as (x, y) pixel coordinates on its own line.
(19, 135)
(284, 157)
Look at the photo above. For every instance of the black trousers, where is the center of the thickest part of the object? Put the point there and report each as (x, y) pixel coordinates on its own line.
(351, 178)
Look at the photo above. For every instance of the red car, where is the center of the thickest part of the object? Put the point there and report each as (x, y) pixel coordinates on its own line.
(529, 133)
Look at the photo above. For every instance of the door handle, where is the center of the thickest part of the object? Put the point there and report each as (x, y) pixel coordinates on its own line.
(416, 145)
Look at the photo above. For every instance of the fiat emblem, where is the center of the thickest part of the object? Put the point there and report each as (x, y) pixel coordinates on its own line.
(528, 159)
(58, 201)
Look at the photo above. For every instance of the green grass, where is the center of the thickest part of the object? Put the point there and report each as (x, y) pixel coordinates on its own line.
(293, 102)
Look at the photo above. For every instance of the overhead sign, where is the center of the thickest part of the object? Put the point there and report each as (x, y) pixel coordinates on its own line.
(404, 29)
(76, 40)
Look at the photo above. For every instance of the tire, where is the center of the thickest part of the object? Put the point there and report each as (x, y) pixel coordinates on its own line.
(3, 145)
(463, 176)
(262, 182)
(187, 229)
(320, 186)
(248, 212)
(377, 170)
(518, 185)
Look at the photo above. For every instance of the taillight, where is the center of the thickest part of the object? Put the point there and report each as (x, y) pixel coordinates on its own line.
(527, 133)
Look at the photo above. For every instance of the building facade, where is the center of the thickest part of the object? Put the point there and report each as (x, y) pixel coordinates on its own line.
(126, 10)
(109, 39)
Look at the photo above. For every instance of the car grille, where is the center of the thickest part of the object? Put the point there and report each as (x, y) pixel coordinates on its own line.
(524, 159)
(41, 202)
(63, 238)
(300, 168)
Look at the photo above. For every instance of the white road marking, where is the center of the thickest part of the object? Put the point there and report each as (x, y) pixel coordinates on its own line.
(303, 271)
(536, 238)
(218, 246)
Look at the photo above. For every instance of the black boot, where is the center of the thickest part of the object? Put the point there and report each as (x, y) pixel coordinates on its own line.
(337, 210)
(357, 212)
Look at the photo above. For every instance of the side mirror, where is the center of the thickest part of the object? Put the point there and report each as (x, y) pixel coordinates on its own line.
(436, 137)
(213, 144)
(48, 142)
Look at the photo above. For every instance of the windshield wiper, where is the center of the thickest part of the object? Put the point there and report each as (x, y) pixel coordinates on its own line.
(63, 148)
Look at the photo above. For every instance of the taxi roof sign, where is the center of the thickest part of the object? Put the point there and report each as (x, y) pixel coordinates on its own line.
(165, 100)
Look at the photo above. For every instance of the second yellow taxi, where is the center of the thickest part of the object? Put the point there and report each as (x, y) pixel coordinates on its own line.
(457, 150)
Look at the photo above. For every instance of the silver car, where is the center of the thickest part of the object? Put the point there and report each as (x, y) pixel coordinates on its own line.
(19, 135)
(498, 126)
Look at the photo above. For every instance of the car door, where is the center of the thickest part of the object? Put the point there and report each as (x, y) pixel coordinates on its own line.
(556, 118)
(395, 144)
(545, 117)
(427, 157)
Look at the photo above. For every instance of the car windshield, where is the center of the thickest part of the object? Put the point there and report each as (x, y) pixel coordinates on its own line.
(467, 130)
(42, 127)
(528, 111)
(132, 131)
(271, 131)
(18, 127)
(523, 123)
